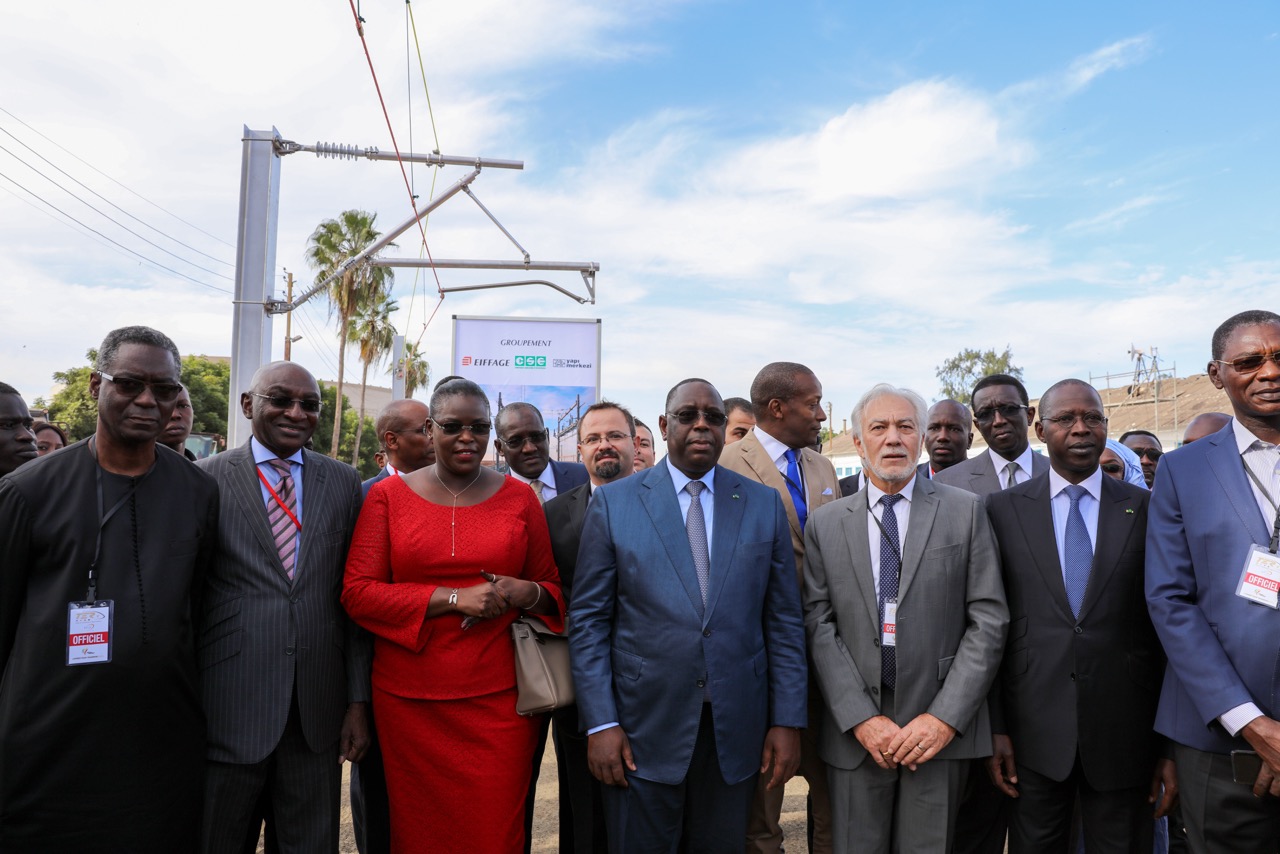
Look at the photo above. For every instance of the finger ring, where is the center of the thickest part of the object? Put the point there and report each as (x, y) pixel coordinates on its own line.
(919, 747)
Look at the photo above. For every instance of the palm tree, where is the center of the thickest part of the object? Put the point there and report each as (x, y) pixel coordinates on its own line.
(371, 329)
(333, 242)
(417, 372)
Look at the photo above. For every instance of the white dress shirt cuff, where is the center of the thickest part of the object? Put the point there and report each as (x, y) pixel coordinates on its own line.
(1238, 718)
(602, 727)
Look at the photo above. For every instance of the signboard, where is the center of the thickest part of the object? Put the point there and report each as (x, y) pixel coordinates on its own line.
(551, 363)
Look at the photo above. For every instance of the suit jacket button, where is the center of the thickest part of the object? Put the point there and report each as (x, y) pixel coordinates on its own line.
(876, 641)
(875, 690)
(1073, 677)
(702, 683)
(288, 651)
(1079, 630)
(706, 633)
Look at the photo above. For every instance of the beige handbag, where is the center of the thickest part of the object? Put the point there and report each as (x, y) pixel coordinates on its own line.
(543, 679)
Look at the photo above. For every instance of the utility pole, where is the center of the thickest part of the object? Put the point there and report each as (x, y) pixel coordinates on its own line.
(288, 318)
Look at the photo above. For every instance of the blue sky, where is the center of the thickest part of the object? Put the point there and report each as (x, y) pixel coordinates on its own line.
(863, 188)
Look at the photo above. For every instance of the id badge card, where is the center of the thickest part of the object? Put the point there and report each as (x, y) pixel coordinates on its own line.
(1260, 578)
(889, 630)
(89, 629)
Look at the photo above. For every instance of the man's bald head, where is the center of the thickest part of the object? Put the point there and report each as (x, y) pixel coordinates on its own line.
(283, 403)
(401, 431)
(1205, 424)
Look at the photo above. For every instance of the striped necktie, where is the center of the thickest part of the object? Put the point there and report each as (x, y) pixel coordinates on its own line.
(283, 530)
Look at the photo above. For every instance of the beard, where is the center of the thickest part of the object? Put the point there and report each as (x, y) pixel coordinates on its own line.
(608, 469)
(889, 475)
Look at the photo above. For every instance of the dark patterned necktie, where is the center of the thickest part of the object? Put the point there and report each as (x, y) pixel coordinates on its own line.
(283, 530)
(1078, 551)
(890, 568)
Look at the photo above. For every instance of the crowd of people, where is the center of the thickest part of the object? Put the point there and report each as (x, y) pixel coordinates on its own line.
(1070, 651)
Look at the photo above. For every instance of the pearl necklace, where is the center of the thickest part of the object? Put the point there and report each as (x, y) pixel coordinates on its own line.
(453, 520)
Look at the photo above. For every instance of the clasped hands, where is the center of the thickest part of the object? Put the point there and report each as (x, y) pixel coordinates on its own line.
(920, 740)
(495, 597)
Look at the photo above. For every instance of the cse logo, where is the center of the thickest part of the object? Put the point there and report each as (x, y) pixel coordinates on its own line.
(530, 361)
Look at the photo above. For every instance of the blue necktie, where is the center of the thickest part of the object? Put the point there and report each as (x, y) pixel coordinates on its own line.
(1078, 551)
(695, 525)
(890, 567)
(794, 487)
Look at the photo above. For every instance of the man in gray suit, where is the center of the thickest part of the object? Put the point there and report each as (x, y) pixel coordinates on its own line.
(906, 619)
(284, 673)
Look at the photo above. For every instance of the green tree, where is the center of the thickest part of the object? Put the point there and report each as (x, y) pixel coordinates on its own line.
(208, 382)
(347, 437)
(334, 242)
(959, 373)
(372, 331)
(417, 372)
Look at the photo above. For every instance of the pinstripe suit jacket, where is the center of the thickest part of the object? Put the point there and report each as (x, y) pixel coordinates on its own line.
(261, 634)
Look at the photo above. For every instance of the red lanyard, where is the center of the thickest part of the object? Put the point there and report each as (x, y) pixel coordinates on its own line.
(276, 496)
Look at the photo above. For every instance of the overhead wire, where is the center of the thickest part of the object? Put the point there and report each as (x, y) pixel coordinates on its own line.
(150, 261)
(120, 184)
(113, 204)
(435, 134)
(113, 220)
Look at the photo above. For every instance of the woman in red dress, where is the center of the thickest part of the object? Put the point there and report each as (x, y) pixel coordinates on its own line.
(442, 562)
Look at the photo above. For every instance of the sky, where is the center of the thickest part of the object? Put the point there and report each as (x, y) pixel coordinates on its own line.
(863, 188)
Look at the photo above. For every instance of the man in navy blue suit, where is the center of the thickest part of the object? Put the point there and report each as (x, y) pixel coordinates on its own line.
(687, 641)
(525, 442)
(1211, 543)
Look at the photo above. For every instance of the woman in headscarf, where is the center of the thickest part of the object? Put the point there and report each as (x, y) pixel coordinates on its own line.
(1122, 464)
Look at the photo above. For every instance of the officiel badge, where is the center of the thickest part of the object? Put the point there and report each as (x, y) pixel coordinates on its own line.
(1260, 578)
(89, 627)
(889, 631)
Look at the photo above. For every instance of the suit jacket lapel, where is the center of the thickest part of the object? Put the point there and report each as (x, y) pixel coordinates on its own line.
(660, 502)
(1115, 527)
(924, 509)
(1228, 468)
(855, 532)
(729, 508)
(578, 507)
(985, 479)
(755, 456)
(243, 475)
(1035, 517)
(315, 497)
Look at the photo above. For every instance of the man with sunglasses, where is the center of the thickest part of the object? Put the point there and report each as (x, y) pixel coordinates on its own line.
(104, 554)
(1149, 450)
(1211, 590)
(525, 442)
(284, 672)
(687, 642)
(1003, 415)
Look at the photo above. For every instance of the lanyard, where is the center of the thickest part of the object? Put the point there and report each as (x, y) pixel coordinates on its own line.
(897, 549)
(276, 496)
(1275, 528)
(104, 518)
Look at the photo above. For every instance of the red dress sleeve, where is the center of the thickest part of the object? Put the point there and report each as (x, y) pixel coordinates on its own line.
(395, 612)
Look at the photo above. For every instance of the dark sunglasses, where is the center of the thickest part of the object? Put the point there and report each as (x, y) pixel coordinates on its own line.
(713, 417)
(1008, 410)
(279, 401)
(1152, 454)
(453, 428)
(1113, 468)
(129, 387)
(1251, 363)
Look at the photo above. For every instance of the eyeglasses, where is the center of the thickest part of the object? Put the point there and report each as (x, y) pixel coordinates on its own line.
(1152, 454)
(11, 425)
(1113, 468)
(1092, 420)
(1252, 363)
(1008, 411)
(614, 438)
(130, 387)
(520, 440)
(453, 428)
(713, 417)
(424, 429)
(279, 401)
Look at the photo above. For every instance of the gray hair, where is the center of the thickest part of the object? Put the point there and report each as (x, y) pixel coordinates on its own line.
(885, 390)
(117, 338)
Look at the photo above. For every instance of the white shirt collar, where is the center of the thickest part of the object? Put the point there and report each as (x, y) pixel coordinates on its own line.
(1024, 461)
(775, 449)
(261, 453)
(548, 477)
(1244, 439)
(1092, 484)
(875, 493)
(681, 480)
